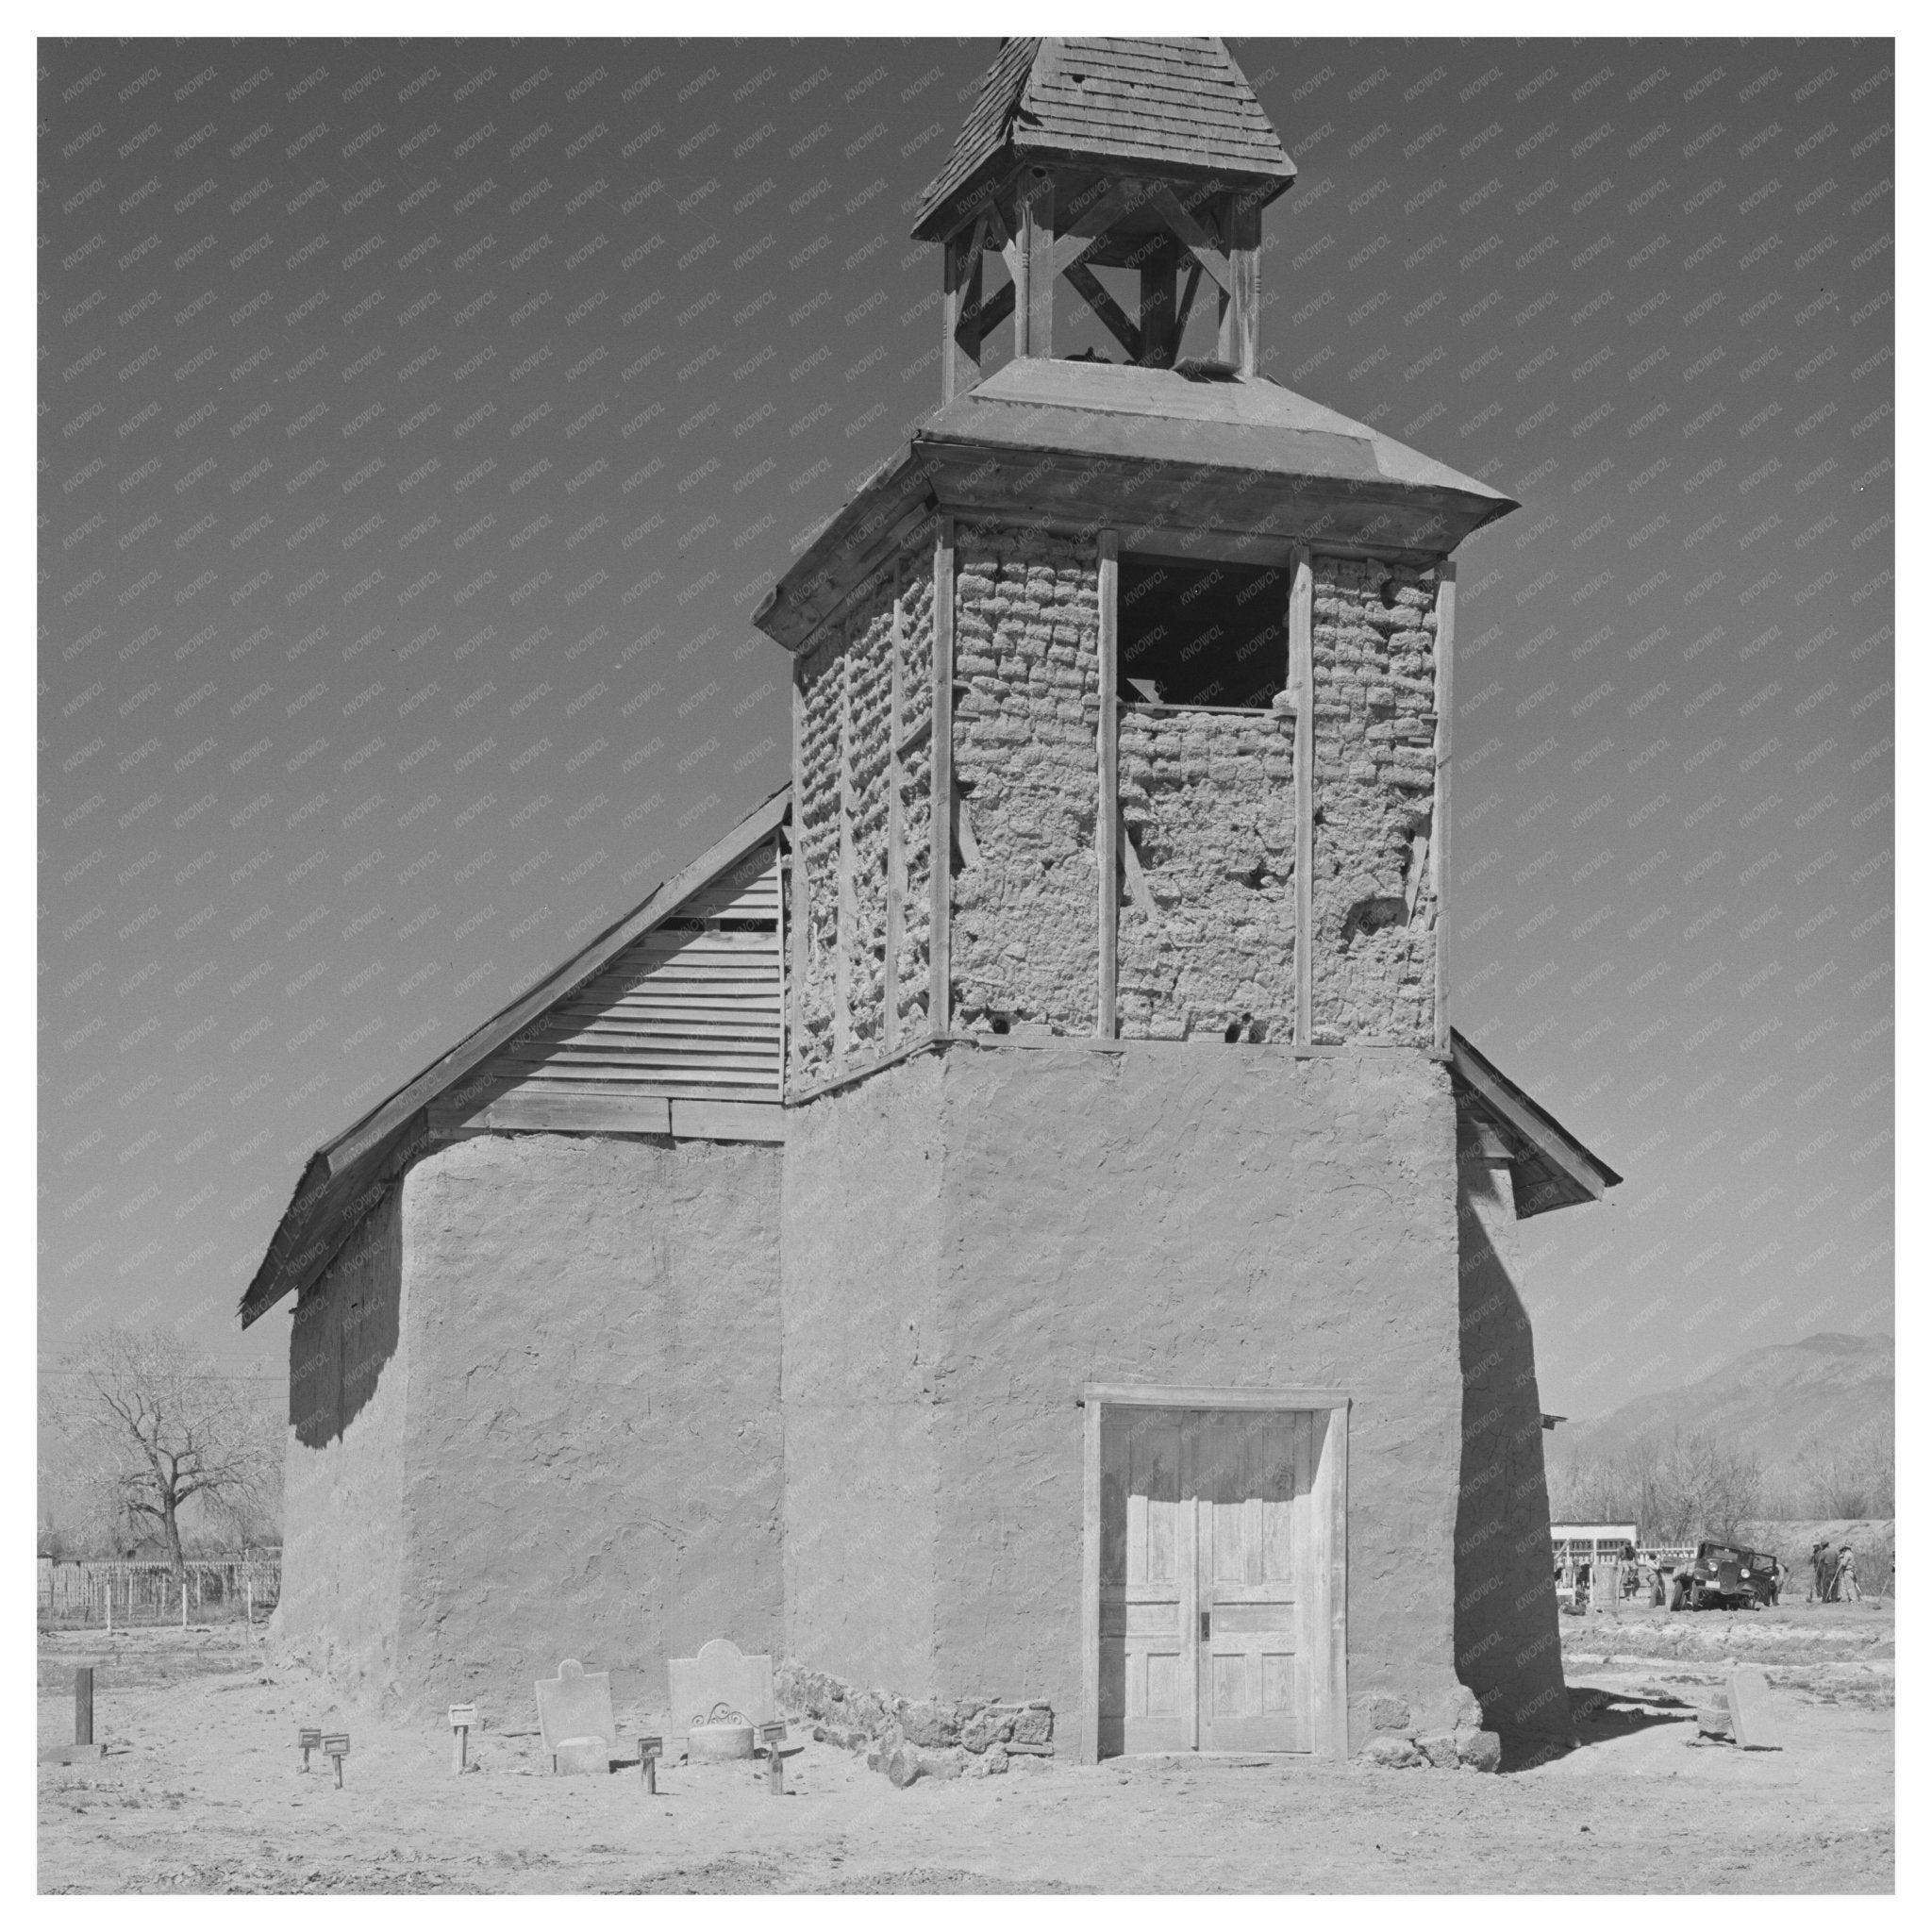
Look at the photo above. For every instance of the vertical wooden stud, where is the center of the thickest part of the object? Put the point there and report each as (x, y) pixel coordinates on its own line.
(801, 880)
(1106, 818)
(939, 944)
(1240, 317)
(846, 942)
(1301, 681)
(1439, 829)
(1032, 267)
(1157, 346)
(84, 1705)
(1090, 1590)
(896, 817)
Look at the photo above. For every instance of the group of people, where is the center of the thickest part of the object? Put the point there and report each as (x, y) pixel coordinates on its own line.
(1834, 1574)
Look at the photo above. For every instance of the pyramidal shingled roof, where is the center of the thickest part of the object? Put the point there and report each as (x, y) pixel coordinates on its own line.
(1180, 104)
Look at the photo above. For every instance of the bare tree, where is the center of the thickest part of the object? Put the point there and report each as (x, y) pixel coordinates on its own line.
(1674, 1488)
(171, 1429)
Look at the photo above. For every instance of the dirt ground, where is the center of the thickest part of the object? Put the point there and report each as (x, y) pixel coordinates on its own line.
(201, 1791)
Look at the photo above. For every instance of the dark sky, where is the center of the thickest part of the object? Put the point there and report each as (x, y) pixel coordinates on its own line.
(420, 425)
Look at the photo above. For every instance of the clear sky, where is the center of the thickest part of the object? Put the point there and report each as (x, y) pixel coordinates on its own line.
(420, 425)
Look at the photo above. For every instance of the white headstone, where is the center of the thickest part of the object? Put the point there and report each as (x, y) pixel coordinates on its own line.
(574, 1709)
(720, 1675)
(1747, 1692)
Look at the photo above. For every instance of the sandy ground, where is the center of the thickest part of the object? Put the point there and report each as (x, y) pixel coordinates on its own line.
(201, 1791)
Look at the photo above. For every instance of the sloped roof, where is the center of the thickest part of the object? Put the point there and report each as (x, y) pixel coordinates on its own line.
(347, 1177)
(1553, 1167)
(1249, 423)
(1176, 106)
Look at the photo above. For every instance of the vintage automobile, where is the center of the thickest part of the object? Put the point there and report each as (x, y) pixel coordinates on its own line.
(1725, 1576)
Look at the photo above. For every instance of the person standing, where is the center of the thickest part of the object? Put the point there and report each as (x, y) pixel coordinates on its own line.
(1844, 1586)
(1821, 1572)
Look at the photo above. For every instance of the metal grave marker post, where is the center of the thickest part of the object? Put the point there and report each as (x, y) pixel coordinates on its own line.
(461, 1717)
(337, 1748)
(309, 1737)
(651, 1750)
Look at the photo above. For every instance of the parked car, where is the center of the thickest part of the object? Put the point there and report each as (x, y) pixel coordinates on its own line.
(1725, 1576)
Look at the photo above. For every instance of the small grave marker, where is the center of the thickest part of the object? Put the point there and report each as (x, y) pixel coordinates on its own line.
(1747, 1693)
(578, 1726)
(335, 1747)
(310, 1739)
(650, 1750)
(462, 1717)
(777, 1751)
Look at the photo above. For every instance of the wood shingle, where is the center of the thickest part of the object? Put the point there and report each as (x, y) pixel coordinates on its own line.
(1171, 105)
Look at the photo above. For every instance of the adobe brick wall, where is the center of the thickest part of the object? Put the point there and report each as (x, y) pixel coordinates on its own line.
(1209, 800)
(1375, 662)
(1025, 940)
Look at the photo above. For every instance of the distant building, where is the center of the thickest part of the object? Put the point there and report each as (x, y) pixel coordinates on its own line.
(1014, 1218)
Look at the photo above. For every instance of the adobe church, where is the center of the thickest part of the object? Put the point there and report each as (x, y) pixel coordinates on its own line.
(1013, 1220)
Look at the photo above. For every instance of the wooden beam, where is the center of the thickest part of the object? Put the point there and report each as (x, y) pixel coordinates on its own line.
(939, 999)
(1185, 306)
(895, 819)
(1301, 680)
(1194, 238)
(1106, 818)
(1031, 256)
(1439, 827)
(1087, 1747)
(960, 324)
(1112, 316)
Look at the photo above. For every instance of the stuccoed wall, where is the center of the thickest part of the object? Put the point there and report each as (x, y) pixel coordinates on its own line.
(593, 1459)
(1375, 662)
(568, 1440)
(343, 1484)
(862, 1328)
(1040, 1218)
(1506, 1596)
(1026, 915)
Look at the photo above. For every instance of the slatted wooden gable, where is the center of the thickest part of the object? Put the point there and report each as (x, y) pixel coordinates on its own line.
(690, 1010)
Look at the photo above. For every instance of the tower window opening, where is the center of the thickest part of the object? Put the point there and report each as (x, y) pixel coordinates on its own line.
(1213, 634)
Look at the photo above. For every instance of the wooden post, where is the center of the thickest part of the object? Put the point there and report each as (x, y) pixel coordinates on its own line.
(959, 343)
(896, 817)
(939, 943)
(1106, 818)
(1032, 258)
(801, 888)
(184, 1599)
(845, 940)
(1439, 829)
(1301, 680)
(1158, 346)
(84, 1705)
(1241, 314)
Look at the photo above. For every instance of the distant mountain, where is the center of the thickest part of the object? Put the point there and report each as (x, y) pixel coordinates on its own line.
(1768, 1401)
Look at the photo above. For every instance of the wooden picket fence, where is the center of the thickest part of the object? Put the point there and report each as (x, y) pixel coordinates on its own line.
(124, 1593)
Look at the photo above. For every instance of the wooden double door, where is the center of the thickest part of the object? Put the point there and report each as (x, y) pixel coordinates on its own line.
(1213, 1590)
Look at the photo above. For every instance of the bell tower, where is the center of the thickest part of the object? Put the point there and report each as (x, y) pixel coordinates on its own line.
(1151, 157)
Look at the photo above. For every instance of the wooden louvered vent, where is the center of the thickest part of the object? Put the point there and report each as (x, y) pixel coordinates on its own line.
(681, 1032)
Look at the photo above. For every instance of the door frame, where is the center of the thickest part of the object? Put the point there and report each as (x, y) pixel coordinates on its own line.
(1329, 1673)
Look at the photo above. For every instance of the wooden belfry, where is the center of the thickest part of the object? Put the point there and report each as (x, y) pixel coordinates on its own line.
(1147, 154)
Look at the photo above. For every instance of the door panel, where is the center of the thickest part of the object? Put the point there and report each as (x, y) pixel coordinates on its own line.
(1206, 1586)
(1147, 1586)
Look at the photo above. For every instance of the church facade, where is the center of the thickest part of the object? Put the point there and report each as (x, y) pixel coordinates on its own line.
(1015, 1219)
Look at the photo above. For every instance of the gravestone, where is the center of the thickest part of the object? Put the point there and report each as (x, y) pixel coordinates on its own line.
(1747, 1693)
(574, 1709)
(721, 1673)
